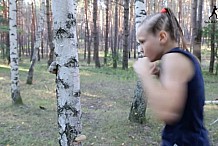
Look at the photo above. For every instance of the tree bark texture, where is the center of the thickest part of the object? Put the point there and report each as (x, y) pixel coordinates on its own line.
(15, 87)
(6, 34)
(140, 14)
(213, 28)
(114, 50)
(197, 27)
(106, 32)
(36, 45)
(139, 104)
(33, 31)
(68, 80)
(87, 34)
(126, 34)
(95, 33)
(50, 33)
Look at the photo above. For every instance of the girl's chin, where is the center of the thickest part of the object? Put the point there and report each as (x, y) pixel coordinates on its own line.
(154, 59)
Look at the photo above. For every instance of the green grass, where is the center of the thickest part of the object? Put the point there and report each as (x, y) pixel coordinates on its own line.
(106, 99)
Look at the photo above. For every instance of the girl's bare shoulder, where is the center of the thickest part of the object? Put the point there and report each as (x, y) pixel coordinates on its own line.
(177, 65)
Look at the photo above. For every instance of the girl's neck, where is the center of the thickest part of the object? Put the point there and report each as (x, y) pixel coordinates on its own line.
(170, 45)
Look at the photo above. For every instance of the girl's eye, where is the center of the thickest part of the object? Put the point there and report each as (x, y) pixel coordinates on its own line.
(141, 42)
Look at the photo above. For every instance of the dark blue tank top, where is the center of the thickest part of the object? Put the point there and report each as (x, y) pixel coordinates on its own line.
(189, 130)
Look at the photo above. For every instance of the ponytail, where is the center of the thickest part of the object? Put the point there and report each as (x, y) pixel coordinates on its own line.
(175, 27)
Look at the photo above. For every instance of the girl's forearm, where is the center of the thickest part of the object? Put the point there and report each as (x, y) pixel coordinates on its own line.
(160, 100)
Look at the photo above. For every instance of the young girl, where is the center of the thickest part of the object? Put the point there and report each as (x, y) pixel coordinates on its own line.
(177, 98)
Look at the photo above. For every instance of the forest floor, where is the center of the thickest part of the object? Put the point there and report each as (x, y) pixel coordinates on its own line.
(106, 100)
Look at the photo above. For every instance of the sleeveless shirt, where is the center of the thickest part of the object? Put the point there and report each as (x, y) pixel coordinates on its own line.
(189, 130)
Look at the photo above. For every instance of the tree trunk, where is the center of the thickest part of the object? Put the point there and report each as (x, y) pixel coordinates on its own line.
(21, 42)
(216, 73)
(135, 44)
(7, 47)
(139, 104)
(196, 27)
(15, 88)
(68, 80)
(6, 34)
(42, 45)
(28, 43)
(126, 34)
(213, 30)
(106, 32)
(50, 36)
(89, 49)
(85, 40)
(95, 34)
(87, 36)
(89, 46)
(131, 28)
(114, 50)
(36, 45)
(32, 32)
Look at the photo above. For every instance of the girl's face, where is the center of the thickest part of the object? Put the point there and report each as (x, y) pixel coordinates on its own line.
(150, 44)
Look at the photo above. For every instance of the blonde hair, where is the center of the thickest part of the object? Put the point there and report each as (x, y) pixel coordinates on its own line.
(166, 21)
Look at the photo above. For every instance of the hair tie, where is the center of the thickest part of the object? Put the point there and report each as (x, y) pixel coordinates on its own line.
(164, 10)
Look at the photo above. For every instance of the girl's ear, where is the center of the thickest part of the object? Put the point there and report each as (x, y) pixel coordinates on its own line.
(163, 37)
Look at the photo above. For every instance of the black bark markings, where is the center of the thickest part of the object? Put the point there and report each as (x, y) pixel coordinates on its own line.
(70, 130)
(60, 33)
(72, 62)
(66, 86)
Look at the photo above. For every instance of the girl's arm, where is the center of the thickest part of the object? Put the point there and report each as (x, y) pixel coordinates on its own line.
(168, 95)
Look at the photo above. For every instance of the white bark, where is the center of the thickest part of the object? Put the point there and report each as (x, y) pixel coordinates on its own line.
(139, 105)
(40, 25)
(140, 14)
(68, 80)
(15, 90)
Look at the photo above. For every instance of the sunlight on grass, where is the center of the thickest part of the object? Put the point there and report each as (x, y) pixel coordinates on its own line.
(4, 66)
(91, 95)
(85, 73)
(211, 107)
(8, 67)
(23, 69)
(2, 78)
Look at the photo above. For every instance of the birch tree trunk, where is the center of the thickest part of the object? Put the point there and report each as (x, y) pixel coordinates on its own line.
(15, 87)
(33, 30)
(139, 104)
(68, 80)
(37, 44)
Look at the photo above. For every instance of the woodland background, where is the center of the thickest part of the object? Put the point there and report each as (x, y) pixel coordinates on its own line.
(107, 77)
